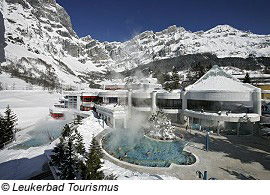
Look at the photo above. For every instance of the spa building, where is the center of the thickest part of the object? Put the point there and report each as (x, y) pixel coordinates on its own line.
(216, 102)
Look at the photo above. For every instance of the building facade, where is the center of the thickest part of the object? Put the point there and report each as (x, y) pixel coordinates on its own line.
(216, 102)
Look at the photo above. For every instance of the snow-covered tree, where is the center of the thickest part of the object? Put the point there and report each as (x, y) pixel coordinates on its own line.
(2, 124)
(175, 79)
(70, 163)
(66, 132)
(70, 159)
(65, 156)
(247, 79)
(10, 120)
(79, 144)
(161, 127)
(196, 72)
(93, 162)
(58, 154)
(77, 120)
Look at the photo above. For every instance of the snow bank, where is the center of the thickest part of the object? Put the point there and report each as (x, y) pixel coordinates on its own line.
(90, 126)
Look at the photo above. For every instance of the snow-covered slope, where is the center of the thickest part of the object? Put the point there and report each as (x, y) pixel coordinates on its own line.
(223, 40)
(41, 41)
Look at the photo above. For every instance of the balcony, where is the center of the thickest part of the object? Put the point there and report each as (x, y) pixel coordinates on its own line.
(88, 104)
(63, 99)
(170, 110)
(112, 110)
(222, 116)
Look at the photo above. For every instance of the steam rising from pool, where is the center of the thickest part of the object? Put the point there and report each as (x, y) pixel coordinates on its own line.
(44, 132)
(140, 150)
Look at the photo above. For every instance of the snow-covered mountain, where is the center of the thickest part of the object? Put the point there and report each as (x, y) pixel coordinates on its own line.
(41, 41)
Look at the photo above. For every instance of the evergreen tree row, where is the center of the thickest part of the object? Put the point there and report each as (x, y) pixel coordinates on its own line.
(72, 160)
(7, 126)
(169, 82)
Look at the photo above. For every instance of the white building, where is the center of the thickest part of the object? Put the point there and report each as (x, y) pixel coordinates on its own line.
(220, 101)
(217, 101)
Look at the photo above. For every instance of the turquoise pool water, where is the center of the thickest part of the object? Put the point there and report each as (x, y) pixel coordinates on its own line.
(43, 133)
(140, 150)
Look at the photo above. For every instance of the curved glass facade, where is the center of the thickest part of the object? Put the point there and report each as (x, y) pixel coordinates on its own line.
(169, 103)
(215, 106)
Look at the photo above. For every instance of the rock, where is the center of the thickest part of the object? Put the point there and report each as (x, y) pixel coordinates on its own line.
(2, 39)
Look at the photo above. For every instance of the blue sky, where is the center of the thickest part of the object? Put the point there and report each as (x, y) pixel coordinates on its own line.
(119, 20)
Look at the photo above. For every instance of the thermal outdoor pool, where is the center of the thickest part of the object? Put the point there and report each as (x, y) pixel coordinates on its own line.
(42, 133)
(140, 150)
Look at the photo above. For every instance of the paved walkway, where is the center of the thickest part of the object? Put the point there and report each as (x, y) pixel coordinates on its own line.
(230, 157)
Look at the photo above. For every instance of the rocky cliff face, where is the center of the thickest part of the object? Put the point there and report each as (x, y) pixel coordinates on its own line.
(40, 40)
(2, 36)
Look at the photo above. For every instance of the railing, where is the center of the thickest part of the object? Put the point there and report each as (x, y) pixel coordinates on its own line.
(110, 108)
(170, 107)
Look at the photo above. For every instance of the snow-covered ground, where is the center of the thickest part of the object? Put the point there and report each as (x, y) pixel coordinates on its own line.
(10, 83)
(29, 105)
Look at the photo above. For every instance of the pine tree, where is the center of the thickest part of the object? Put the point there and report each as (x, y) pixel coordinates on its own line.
(83, 170)
(77, 120)
(175, 79)
(67, 131)
(58, 154)
(247, 79)
(10, 120)
(79, 145)
(157, 74)
(167, 85)
(93, 162)
(195, 73)
(70, 163)
(2, 124)
(166, 77)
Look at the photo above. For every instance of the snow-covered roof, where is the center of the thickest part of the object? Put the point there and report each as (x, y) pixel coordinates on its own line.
(217, 79)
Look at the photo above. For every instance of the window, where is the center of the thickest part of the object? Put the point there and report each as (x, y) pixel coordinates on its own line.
(215, 106)
(141, 102)
(112, 100)
(169, 103)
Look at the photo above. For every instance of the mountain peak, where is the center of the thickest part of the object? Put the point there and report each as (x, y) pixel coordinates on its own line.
(222, 28)
(173, 28)
(87, 38)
